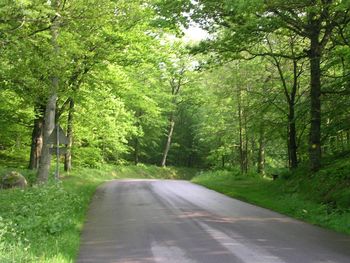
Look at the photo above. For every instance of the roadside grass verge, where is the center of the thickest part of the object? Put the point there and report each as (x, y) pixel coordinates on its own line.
(155, 172)
(43, 223)
(298, 197)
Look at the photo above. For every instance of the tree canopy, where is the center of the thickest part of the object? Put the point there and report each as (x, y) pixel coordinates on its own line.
(267, 89)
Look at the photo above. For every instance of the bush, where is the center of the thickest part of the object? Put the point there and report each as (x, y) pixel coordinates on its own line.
(88, 157)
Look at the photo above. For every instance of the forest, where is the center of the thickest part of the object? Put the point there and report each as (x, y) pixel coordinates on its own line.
(264, 92)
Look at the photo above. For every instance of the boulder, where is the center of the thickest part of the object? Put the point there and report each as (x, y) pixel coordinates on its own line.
(13, 179)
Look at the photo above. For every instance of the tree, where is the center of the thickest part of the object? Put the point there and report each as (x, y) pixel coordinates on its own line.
(177, 74)
(249, 21)
(50, 111)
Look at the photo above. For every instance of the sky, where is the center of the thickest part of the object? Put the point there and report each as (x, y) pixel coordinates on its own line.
(195, 34)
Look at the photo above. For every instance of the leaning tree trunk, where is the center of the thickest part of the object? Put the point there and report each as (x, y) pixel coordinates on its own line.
(315, 95)
(37, 143)
(68, 155)
(167, 145)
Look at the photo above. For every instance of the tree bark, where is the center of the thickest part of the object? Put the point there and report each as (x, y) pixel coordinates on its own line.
(37, 140)
(167, 145)
(292, 141)
(68, 155)
(242, 144)
(49, 125)
(261, 152)
(315, 96)
(246, 143)
(50, 111)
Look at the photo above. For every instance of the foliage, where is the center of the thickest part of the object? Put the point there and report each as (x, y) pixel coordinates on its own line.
(246, 99)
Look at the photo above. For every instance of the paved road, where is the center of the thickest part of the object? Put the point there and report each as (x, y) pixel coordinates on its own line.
(176, 221)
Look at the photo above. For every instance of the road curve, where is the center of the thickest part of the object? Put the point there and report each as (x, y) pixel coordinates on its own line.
(179, 222)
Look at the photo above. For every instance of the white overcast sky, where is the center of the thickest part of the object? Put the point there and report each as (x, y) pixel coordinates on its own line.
(195, 34)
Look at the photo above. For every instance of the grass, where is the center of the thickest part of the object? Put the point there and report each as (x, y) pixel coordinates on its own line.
(43, 224)
(322, 199)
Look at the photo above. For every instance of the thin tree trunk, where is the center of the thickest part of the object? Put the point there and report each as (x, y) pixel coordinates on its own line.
(315, 95)
(288, 148)
(136, 150)
(290, 98)
(167, 146)
(241, 151)
(261, 152)
(292, 141)
(246, 143)
(68, 155)
(252, 151)
(136, 140)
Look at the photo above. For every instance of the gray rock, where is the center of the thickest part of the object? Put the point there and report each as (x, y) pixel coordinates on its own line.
(13, 179)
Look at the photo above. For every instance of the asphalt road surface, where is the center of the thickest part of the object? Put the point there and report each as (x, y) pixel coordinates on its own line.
(176, 221)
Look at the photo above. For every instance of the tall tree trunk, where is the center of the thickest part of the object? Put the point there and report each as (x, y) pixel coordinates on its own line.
(315, 95)
(288, 148)
(136, 140)
(292, 141)
(252, 151)
(49, 125)
(50, 111)
(167, 145)
(37, 140)
(241, 150)
(68, 155)
(261, 152)
(246, 143)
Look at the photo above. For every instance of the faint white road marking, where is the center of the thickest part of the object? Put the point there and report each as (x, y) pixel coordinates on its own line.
(170, 254)
(246, 252)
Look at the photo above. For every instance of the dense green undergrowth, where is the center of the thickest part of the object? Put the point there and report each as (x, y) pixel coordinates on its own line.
(43, 224)
(321, 198)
